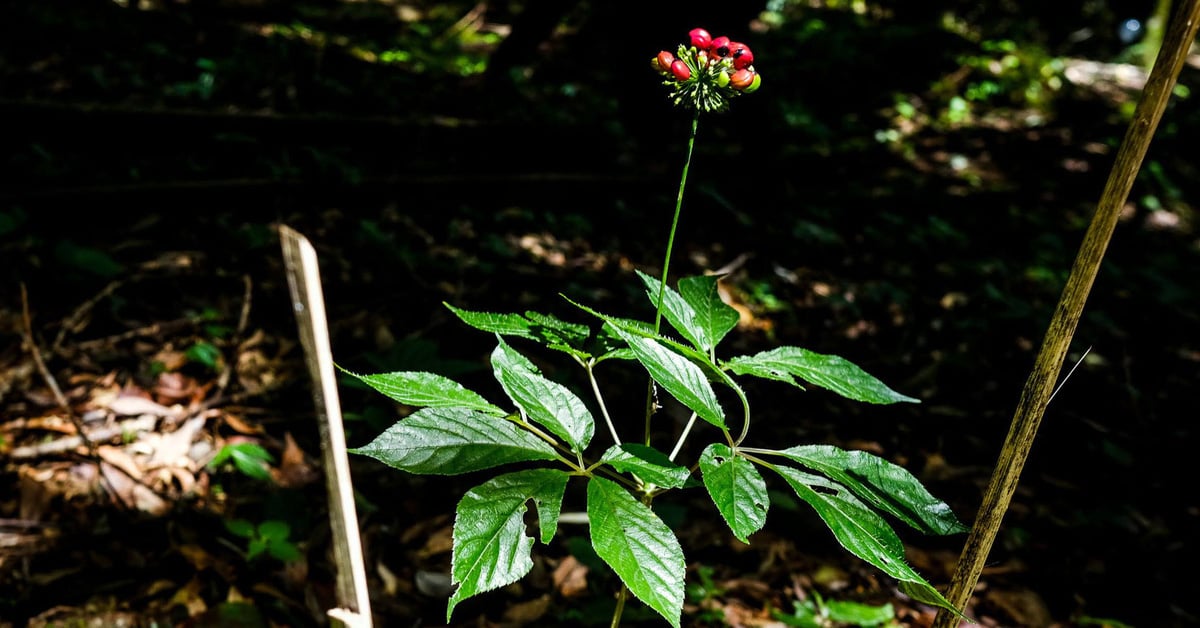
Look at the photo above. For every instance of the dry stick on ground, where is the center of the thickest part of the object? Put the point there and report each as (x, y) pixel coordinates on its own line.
(308, 301)
(36, 352)
(1037, 391)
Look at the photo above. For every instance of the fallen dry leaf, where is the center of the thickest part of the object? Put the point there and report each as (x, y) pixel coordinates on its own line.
(130, 405)
(570, 577)
(1024, 607)
(241, 427)
(525, 613)
(131, 494)
(294, 470)
(172, 449)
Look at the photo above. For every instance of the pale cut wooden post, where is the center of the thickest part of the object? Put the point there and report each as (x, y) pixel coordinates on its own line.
(304, 281)
(1039, 386)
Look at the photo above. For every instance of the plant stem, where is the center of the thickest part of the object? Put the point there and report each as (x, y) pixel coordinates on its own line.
(616, 620)
(1037, 390)
(682, 437)
(662, 286)
(600, 400)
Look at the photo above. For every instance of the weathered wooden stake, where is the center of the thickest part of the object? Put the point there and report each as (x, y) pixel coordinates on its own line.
(304, 280)
(1040, 384)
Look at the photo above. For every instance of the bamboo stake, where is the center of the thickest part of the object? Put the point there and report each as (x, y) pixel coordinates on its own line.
(1038, 387)
(304, 280)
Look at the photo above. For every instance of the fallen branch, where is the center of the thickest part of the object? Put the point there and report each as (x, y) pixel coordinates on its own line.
(132, 426)
(36, 352)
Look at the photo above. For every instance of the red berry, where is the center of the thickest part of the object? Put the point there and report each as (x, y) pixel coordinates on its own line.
(741, 54)
(664, 60)
(719, 47)
(700, 38)
(681, 71)
(741, 79)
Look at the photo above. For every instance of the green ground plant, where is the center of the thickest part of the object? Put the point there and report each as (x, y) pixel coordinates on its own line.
(547, 430)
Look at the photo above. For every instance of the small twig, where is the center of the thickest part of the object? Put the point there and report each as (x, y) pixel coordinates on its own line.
(243, 321)
(36, 352)
(149, 330)
(247, 293)
(69, 323)
(69, 443)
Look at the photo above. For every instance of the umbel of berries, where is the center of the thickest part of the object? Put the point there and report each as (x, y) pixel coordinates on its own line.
(708, 72)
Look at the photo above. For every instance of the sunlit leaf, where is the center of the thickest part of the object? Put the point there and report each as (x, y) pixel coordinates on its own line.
(426, 390)
(677, 375)
(827, 371)
(648, 463)
(737, 489)
(543, 328)
(491, 548)
(639, 547)
(503, 324)
(713, 315)
(546, 403)
(860, 530)
(886, 486)
(449, 441)
(678, 313)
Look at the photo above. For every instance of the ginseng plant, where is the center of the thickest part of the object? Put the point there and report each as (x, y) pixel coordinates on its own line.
(543, 422)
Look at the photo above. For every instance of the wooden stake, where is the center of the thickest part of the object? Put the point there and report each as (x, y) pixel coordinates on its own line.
(304, 280)
(1038, 387)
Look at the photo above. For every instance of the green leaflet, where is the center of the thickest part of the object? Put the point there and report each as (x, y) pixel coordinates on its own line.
(449, 441)
(547, 403)
(676, 374)
(544, 328)
(426, 390)
(491, 548)
(639, 547)
(827, 371)
(713, 315)
(860, 530)
(678, 312)
(737, 489)
(886, 486)
(696, 311)
(648, 463)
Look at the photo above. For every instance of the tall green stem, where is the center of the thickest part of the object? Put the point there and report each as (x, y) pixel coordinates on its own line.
(616, 620)
(662, 286)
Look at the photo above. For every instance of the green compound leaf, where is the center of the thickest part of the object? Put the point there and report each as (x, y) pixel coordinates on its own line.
(676, 374)
(887, 486)
(713, 315)
(861, 531)
(737, 489)
(491, 548)
(678, 313)
(639, 547)
(648, 463)
(547, 403)
(449, 441)
(426, 390)
(827, 371)
(543, 328)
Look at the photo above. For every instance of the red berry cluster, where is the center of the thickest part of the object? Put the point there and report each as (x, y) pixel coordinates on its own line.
(709, 72)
